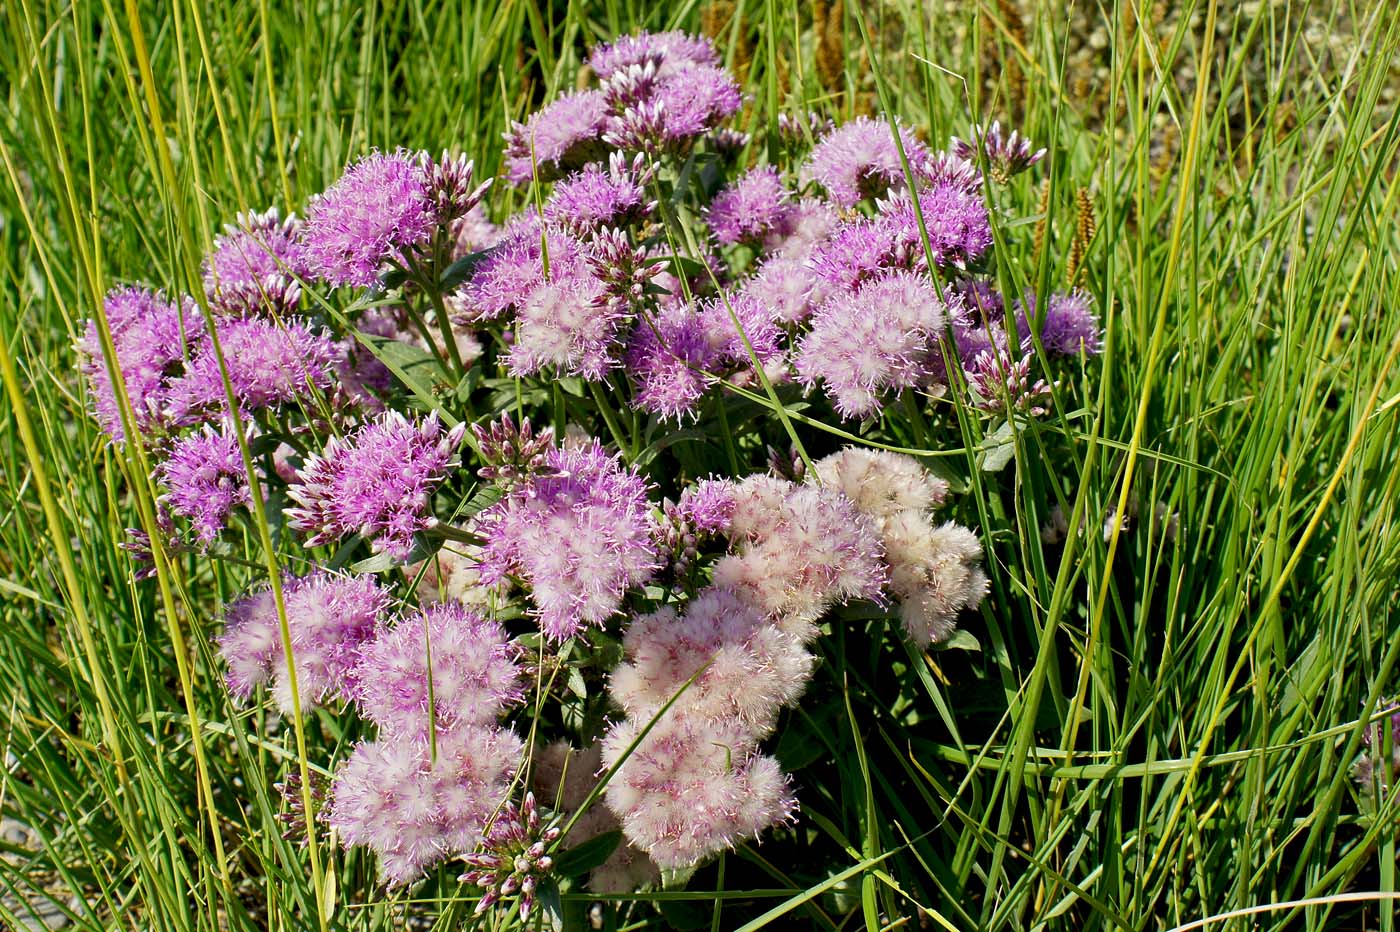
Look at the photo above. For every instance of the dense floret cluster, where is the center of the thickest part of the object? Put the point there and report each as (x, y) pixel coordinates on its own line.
(536, 637)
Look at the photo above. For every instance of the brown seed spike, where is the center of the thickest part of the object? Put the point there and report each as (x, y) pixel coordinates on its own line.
(1084, 228)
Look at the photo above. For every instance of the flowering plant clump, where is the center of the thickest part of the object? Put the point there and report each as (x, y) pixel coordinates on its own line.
(589, 634)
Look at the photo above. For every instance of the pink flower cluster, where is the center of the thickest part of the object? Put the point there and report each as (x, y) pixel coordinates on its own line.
(429, 786)
(567, 317)
(465, 661)
(414, 808)
(205, 479)
(861, 160)
(692, 781)
(659, 92)
(268, 363)
(329, 618)
(703, 685)
(841, 282)
(934, 570)
(799, 550)
(379, 211)
(578, 535)
(256, 265)
(377, 482)
(150, 337)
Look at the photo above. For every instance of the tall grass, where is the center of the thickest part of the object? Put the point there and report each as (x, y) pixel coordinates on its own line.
(1160, 719)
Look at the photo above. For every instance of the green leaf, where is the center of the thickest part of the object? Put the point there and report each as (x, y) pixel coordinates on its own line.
(961, 639)
(375, 564)
(997, 448)
(668, 439)
(674, 878)
(551, 908)
(460, 271)
(577, 686)
(418, 370)
(345, 551)
(483, 498)
(583, 857)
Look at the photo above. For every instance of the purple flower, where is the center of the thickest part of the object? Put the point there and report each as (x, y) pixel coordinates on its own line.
(1006, 155)
(789, 288)
(800, 548)
(707, 507)
(669, 357)
(981, 300)
(514, 267)
(971, 338)
(693, 788)
(472, 665)
(579, 538)
(641, 126)
(855, 252)
(666, 110)
(861, 160)
(567, 323)
(415, 810)
(665, 49)
(1070, 325)
(727, 141)
(876, 340)
(512, 859)
(255, 264)
(947, 168)
(1002, 382)
(748, 669)
(377, 482)
(205, 480)
(750, 208)
(718, 317)
(673, 355)
(955, 220)
(329, 617)
(630, 88)
(379, 209)
(448, 183)
(806, 224)
(574, 319)
(959, 231)
(594, 198)
(269, 362)
(562, 137)
(250, 643)
(703, 513)
(150, 336)
(512, 454)
(625, 271)
(696, 99)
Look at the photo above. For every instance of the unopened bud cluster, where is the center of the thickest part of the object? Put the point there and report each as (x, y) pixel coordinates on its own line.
(513, 858)
(512, 454)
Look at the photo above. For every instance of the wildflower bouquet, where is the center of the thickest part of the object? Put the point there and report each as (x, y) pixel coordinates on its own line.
(568, 501)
